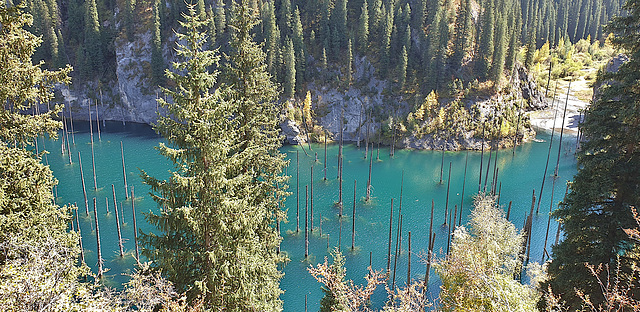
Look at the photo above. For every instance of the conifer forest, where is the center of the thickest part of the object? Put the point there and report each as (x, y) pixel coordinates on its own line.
(208, 118)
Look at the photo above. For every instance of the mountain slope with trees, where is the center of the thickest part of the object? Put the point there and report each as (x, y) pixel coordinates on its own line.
(393, 52)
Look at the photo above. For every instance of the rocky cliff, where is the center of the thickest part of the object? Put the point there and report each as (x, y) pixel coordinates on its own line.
(132, 98)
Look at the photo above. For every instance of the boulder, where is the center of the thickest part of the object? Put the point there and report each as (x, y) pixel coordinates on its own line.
(291, 132)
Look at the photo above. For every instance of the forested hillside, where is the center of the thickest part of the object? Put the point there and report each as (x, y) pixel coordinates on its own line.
(417, 45)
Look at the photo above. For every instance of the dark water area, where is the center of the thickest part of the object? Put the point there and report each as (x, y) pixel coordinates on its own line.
(518, 175)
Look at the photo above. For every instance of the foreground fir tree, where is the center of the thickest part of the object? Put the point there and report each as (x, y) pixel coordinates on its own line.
(598, 206)
(216, 238)
(24, 85)
(38, 261)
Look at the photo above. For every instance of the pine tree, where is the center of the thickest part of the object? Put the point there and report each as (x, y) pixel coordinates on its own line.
(514, 34)
(598, 206)
(272, 38)
(531, 49)
(190, 199)
(402, 68)
(349, 63)
(299, 47)
(221, 19)
(363, 28)
(339, 21)
(376, 20)
(285, 17)
(39, 261)
(92, 42)
(387, 28)
(211, 29)
(256, 168)
(486, 45)
(462, 33)
(500, 53)
(157, 61)
(217, 241)
(437, 50)
(289, 69)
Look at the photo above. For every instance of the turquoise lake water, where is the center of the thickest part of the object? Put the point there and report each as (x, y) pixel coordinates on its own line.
(519, 176)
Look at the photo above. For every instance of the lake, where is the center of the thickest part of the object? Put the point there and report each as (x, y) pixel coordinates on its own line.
(418, 171)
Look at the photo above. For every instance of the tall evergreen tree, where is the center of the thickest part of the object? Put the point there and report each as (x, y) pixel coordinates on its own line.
(598, 206)
(387, 28)
(349, 64)
(217, 239)
(285, 16)
(462, 33)
(92, 44)
(256, 166)
(339, 21)
(402, 68)
(299, 47)
(272, 38)
(23, 84)
(289, 69)
(190, 199)
(514, 35)
(486, 45)
(221, 19)
(530, 49)
(501, 45)
(157, 60)
(438, 43)
(363, 28)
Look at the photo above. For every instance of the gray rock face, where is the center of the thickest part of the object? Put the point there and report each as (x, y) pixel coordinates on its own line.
(131, 97)
(291, 132)
(526, 85)
(134, 84)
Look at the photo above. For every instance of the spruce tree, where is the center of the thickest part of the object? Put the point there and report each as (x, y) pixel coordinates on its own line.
(256, 166)
(157, 60)
(598, 207)
(500, 53)
(272, 38)
(486, 45)
(339, 21)
(216, 236)
(462, 33)
(531, 48)
(376, 14)
(285, 17)
(363, 28)
(349, 64)
(402, 68)
(92, 42)
(514, 35)
(198, 145)
(289, 69)
(387, 28)
(299, 47)
(221, 19)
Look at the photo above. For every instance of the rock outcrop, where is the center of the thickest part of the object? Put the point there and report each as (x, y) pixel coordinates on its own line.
(131, 97)
(526, 87)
